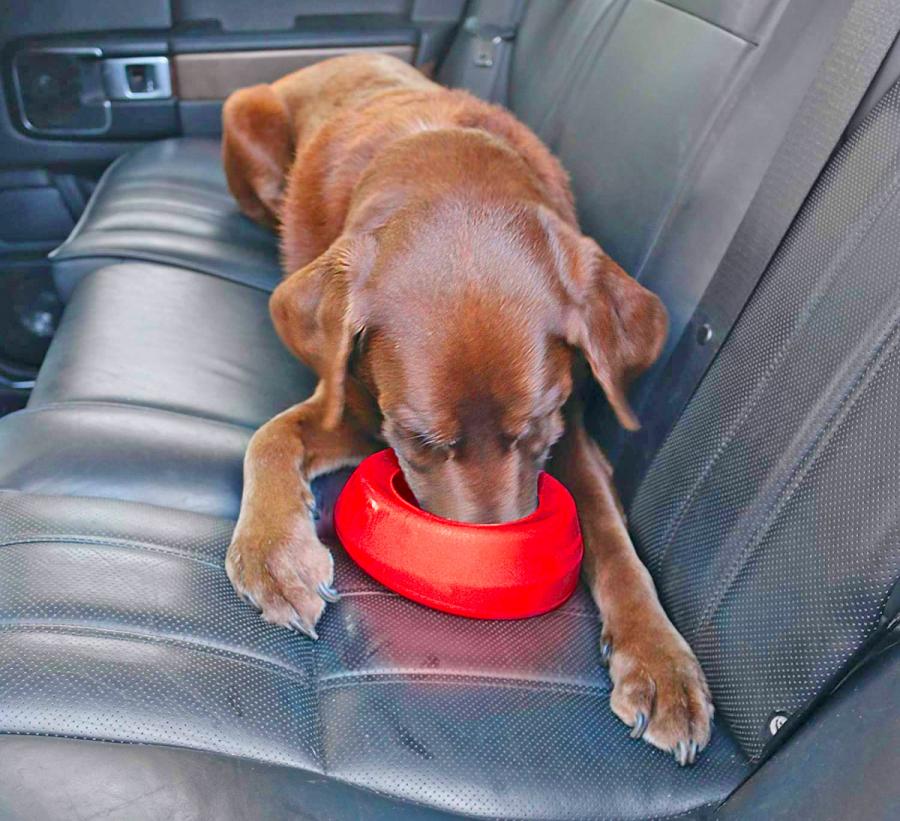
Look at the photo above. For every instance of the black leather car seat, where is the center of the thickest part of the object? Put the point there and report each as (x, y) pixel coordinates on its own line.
(134, 684)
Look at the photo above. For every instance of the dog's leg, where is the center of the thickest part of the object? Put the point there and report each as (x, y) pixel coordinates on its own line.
(257, 145)
(658, 687)
(276, 561)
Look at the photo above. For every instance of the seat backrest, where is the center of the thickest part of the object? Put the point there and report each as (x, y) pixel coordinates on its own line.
(667, 115)
(612, 87)
(770, 518)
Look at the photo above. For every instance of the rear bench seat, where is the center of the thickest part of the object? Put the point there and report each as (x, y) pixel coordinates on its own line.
(119, 486)
(124, 477)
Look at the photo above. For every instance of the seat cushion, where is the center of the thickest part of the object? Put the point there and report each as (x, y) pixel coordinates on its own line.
(119, 624)
(168, 202)
(162, 337)
(176, 783)
(152, 388)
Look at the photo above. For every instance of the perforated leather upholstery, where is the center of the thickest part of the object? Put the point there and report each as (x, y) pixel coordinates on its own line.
(124, 596)
(134, 684)
(120, 625)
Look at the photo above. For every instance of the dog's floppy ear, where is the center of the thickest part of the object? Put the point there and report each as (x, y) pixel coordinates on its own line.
(257, 148)
(317, 313)
(618, 325)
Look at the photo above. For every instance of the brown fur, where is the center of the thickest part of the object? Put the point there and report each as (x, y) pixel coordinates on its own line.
(440, 288)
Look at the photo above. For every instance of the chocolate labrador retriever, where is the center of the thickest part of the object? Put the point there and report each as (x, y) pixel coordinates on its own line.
(440, 288)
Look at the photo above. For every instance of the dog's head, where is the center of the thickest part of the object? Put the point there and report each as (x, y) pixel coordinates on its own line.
(463, 322)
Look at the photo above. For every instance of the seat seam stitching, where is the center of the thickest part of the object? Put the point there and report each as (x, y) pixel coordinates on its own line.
(100, 403)
(146, 180)
(111, 541)
(200, 647)
(476, 679)
(319, 744)
(560, 611)
(133, 504)
(297, 673)
(737, 35)
(159, 259)
(99, 232)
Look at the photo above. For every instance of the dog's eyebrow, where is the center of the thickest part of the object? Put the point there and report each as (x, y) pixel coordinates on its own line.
(410, 424)
(436, 440)
(431, 438)
(547, 402)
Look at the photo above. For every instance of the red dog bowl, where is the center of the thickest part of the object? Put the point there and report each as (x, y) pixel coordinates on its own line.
(506, 571)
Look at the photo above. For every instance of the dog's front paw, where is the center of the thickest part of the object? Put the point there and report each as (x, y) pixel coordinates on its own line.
(283, 571)
(659, 689)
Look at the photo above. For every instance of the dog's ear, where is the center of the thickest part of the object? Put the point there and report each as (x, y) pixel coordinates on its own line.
(618, 325)
(318, 312)
(257, 148)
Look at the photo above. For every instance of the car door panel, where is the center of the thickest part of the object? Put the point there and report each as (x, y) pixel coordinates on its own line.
(75, 75)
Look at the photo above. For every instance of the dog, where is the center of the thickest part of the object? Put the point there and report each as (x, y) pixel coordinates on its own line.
(439, 286)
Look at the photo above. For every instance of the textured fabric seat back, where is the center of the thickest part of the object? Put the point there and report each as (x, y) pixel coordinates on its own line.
(770, 518)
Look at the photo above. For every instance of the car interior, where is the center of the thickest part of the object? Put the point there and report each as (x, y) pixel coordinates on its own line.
(740, 158)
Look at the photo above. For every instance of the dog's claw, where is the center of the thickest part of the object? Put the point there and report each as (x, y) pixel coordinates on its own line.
(692, 752)
(605, 653)
(640, 725)
(307, 630)
(248, 597)
(327, 592)
(681, 753)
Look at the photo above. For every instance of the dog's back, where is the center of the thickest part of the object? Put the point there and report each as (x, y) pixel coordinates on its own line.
(266, 126)
(295, 151)
(315, 94)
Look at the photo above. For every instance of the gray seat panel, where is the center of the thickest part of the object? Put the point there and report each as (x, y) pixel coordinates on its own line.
(646, 126)
(667, 114)
(150, 783)
(125, 452)
(770, 518)
(615, 82)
